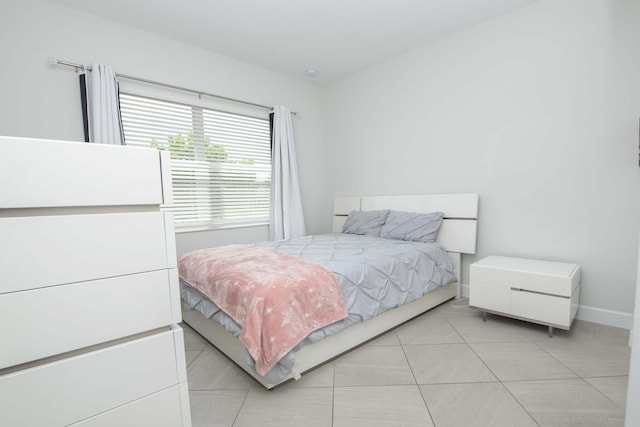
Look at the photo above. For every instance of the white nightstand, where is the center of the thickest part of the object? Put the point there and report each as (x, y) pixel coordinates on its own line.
(543, 292)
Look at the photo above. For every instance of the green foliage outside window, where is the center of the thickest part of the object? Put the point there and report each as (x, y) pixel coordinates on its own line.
(183, 148)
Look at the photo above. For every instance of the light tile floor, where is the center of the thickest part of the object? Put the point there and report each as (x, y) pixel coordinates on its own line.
(444, 368)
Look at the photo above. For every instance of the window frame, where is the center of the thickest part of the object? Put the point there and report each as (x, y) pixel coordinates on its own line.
(257, 194)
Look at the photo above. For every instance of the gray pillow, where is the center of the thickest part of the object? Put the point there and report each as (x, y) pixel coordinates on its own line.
(412, 226)
(365, 222)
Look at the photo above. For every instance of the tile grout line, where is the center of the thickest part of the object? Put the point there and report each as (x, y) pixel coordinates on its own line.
(241, 406)
(496, 376)
(556, 359)
(333, 396)
(426, 406)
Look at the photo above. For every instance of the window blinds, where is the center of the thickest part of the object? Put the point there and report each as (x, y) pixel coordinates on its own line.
(220, 161)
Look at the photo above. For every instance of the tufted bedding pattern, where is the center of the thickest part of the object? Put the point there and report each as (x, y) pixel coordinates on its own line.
(375, 275)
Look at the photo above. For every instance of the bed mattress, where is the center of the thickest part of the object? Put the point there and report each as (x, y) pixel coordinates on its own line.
(375, 275)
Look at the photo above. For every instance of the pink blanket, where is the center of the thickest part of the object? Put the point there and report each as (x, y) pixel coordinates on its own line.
(277, 299)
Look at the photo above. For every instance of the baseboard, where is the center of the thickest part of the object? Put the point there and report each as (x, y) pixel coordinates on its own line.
(464, 289)
(587, 313)
(603, 316)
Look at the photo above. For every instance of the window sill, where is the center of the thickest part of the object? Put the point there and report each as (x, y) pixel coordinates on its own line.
(196, 229)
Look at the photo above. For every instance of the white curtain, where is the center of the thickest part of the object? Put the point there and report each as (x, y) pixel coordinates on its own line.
(103, 106)
(286, 219)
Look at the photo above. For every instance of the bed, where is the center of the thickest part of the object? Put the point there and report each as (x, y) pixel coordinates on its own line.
(456, 236)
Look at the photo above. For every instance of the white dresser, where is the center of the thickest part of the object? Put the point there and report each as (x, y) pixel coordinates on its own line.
(543, 292)
(89, 300)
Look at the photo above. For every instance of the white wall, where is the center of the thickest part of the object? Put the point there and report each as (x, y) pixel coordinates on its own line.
(41, 100)
(536, 111)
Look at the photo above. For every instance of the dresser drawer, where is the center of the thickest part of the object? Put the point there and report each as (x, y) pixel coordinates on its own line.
(41, 251)
(58, 319)
(73, 389)
(162, 409)
(45, 173)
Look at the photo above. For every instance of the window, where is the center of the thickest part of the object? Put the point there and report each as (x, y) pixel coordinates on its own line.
(220, 161)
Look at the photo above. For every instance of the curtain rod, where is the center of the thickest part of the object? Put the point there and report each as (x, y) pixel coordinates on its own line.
(200, 93)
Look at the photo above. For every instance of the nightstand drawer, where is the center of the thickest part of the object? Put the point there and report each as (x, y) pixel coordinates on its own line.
(490, 296)
(546, 309)
(545, 277)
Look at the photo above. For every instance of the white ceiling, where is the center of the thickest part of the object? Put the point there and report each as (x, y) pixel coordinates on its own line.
(335, 37)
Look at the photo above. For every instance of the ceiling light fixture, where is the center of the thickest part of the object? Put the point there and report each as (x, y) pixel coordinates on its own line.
(311, 72)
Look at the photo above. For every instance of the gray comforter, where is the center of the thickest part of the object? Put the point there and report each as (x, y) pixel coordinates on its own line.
(375, 275)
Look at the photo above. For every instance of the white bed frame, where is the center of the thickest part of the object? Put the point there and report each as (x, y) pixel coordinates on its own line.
(457, 234)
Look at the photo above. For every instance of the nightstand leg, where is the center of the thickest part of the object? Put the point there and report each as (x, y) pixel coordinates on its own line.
(550, 331)
(484, 316)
